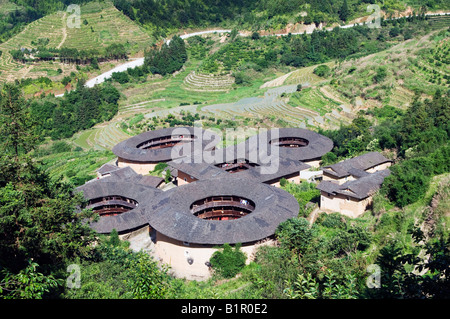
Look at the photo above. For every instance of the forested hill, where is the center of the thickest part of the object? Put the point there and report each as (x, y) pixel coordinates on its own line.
(164, 16)
(257, 14)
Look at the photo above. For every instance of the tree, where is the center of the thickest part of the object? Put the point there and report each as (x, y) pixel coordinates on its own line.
(295, 233)
(406, 184)
(146, 280)
(168, 176)
(329, 158)
(17, 136)
(255, 36)
(322, 70)
(27, 284)
(228, 262)
(114, 238)
(121, 77)
(170, 58)
(344, 12)
(39, 217)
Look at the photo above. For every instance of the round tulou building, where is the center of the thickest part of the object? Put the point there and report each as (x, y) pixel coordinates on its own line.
(142, 152)
(294, 143)
(190, 221)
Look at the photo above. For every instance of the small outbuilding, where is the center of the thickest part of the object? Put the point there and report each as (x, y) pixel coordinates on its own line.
(352, 198)
(355, 167)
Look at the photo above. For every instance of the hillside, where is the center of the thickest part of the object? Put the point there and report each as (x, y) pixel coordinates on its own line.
(101, 25)
(419, 64)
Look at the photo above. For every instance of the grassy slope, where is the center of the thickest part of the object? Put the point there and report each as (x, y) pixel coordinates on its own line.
(410, 66)
(416, 64)
(105, 25)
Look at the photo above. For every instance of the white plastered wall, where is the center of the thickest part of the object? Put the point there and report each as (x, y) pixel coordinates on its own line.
(140, 168)
(345, 205)
(176, 254)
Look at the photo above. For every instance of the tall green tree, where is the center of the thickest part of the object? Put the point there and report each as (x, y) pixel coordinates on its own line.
(170, 58)
(344, 11)
(39, 217)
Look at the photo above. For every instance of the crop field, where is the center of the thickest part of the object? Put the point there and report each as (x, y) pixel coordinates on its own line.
(75, 165)
(407, 67)
(208, 82)
(305, 76)
(101, 24)
(313, 99)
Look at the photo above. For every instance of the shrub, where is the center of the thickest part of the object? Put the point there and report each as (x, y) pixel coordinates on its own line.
(333, 220)
(121, 77)
(322, 70)
(405, 185)
(228, 262)
(295, 233)
(380, 75)
(241, 78)
(255, 36)
(60, 147)
(329, 158)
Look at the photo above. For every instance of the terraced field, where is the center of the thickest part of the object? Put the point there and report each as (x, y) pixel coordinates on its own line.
(439, 22)
(401, 97)
(208, 82)
(102, 137)
(49, 27)
(414, 65)
(102, 24)
(305, 76)
(105, 25)
(273, 104)
(321, 103)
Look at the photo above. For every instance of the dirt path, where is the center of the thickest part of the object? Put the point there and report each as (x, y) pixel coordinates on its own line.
(276, 82)
(64, 31)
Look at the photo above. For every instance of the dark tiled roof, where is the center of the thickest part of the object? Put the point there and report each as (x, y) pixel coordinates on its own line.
(355, 165)
(283, 168)
(107, 169)
(196, 170)
(268, 171)
(169, 211)
(128, 149)
(170, 214)
(318, 145)
(150, 180)
(359, 188)
(127, 174)
(127, 221)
